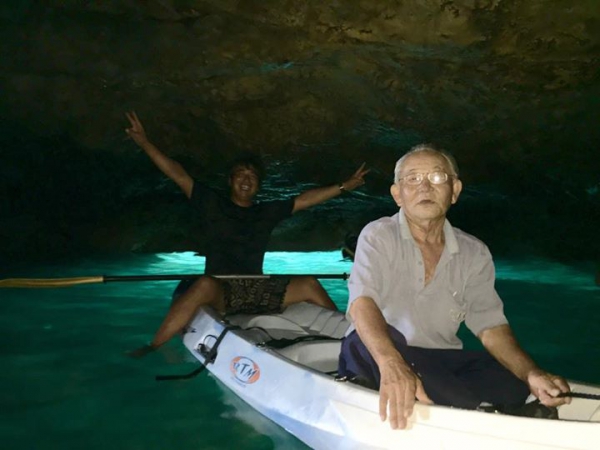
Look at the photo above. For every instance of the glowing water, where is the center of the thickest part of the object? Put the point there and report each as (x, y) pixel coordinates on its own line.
(63, 369)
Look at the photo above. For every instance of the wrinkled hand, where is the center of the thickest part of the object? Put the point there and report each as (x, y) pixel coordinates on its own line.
(136, 131)
(357, 178)
(546, 386)
(397, 391)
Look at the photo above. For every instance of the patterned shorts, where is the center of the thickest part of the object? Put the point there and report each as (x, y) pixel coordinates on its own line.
(255, 296)
(249, 296)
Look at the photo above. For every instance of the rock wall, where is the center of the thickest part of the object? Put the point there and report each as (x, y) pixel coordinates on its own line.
(511, 88)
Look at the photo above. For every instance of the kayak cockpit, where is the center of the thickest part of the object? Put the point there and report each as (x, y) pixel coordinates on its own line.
(308, 335)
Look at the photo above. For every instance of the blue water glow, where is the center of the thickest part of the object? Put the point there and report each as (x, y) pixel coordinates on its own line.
(63, 367)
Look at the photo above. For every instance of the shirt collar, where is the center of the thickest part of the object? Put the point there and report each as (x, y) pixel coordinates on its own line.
(450, 237)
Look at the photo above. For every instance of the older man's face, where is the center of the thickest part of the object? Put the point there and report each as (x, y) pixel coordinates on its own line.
(426, 201)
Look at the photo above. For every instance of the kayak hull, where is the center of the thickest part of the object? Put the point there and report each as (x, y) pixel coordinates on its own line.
(293, 388)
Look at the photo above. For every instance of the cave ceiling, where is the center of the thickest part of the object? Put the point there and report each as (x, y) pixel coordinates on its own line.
(511, 88)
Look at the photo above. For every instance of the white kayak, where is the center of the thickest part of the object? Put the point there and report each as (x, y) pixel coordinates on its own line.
(295, 386)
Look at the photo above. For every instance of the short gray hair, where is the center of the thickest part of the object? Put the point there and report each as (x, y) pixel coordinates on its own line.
(426, 148)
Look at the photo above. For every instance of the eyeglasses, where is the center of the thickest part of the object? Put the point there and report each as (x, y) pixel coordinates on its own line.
(415, 179)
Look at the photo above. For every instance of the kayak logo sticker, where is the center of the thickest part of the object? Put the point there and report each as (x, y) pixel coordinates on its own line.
(245, 370)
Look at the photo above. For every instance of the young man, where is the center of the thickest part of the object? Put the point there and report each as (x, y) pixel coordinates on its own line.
(415, 279)
(237, 231)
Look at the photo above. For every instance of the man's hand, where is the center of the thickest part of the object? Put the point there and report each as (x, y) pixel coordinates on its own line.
(168, 166)
(357, 179)
(136, 132)
(397, 391)
(546, 386)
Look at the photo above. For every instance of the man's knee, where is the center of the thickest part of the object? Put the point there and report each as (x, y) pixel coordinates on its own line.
(206, 283)
(205, 290)
(301, 289)
(356, 360)
(307, 283)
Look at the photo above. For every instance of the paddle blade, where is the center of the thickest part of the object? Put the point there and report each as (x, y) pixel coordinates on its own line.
(48, 282)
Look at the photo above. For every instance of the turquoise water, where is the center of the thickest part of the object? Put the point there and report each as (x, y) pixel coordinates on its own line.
(66, 384)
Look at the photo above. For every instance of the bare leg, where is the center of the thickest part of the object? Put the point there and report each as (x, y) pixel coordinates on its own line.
(206, 291)
(307, 289)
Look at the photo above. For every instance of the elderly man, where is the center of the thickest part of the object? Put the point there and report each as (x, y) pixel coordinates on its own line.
(237, 230)
(415, 279)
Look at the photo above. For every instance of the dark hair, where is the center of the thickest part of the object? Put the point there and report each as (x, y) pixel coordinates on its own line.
(248, 161)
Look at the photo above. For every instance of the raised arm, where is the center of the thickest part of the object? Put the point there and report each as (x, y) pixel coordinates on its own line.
(315, 196)
(399, 384)
(168, 166)
(502, 345)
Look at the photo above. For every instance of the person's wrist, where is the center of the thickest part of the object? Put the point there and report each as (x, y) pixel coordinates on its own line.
(342, 187)
(532, 373)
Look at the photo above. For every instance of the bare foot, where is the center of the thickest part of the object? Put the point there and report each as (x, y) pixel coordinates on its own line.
(141, 352)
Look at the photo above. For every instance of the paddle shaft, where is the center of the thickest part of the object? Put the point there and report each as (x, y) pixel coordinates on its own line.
(580, 395)
(64, 282)
(108, 279)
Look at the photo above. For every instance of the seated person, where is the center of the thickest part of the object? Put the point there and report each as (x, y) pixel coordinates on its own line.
(415, 279)
(237, 231)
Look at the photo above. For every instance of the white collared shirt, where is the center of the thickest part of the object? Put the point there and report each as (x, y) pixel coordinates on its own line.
(388, 267)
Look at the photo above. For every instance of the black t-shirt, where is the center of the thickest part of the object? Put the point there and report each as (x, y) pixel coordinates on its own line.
(236, 237)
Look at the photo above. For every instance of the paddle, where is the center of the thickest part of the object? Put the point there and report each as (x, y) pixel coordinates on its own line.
(583, 395)
(65, 282)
